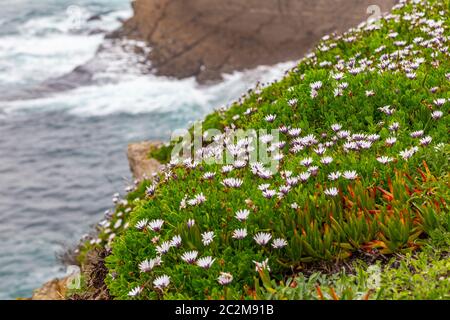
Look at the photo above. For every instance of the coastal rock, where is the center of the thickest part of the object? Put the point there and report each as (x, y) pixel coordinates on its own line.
(206, 38)
(53, 290)
(141, 165)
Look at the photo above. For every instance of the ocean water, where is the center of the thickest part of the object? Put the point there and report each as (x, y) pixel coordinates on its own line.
(63, 153)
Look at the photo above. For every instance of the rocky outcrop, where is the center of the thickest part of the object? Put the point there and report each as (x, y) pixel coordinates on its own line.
(205, 38)
(141, 165)
(55, 289)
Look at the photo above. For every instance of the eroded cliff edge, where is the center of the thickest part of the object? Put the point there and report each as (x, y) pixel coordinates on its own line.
(206, 38)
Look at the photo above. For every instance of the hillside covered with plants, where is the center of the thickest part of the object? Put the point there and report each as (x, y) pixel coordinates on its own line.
(361, 182)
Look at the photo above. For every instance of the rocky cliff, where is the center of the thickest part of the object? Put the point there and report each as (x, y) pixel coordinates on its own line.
(205, 38)
(141, 165)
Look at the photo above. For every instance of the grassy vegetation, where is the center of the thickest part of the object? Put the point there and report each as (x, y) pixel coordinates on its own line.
(423, 275)
(363, 166)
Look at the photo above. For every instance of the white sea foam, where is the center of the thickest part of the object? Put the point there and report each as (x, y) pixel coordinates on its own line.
(28, 60)
(150, 94)
(65, 23)
(48, 46)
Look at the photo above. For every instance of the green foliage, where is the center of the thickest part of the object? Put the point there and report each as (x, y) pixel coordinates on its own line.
(421, 276)
(389, 207)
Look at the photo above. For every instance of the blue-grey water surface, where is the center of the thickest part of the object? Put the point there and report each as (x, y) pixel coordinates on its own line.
(63, 155)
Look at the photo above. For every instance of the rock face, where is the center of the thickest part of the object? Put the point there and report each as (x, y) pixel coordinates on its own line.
(141, 165)
(205, 38)
(53, 290)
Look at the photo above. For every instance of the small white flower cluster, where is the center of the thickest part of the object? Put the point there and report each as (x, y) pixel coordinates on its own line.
(154, 225)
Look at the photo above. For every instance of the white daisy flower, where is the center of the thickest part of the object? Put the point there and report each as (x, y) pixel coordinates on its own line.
(437, 114)
(205, 262)
(393, 34)
(306, 162)
(426, 141)
(373, 137)
(232, 182)
(141, 224)
(294, 132)
(156, 225)
(207, 238)
(286, 174)
(364, 144)
(334, 175)
(411, 75)
(198, 199)
(309, 140)
(320, 150)
(292, 102)
(284, 189)
(316, 85)
(350, 175)
(239, 234)
(239, 164)
(390, 141)
(266, 138)
(338, 92)
(149, 264)
(331, 192)
(343, 134)
(190, 256)
(387, 110)
(225, 278)
(227, 168)
(439, 102)
(417, 134)
(150, 190)
(135, 291)
(117, 224)
(326, 160)
(261, 266)
(283, 129)
(270, 117)
(262, 238)
(161, 282)
(163, 248)
(296, 148)
(265, 174)
(304, 176)
(408, 153)
(208, 175)
(176, 241)
(269, 193)
(336, 127)
(384, 159)
(338, 76)
(183, 204)
(394, 127)
(279, 243)
(190, 223)
(313, 170)
(242, 215)
(343, 85)
(292, 181)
